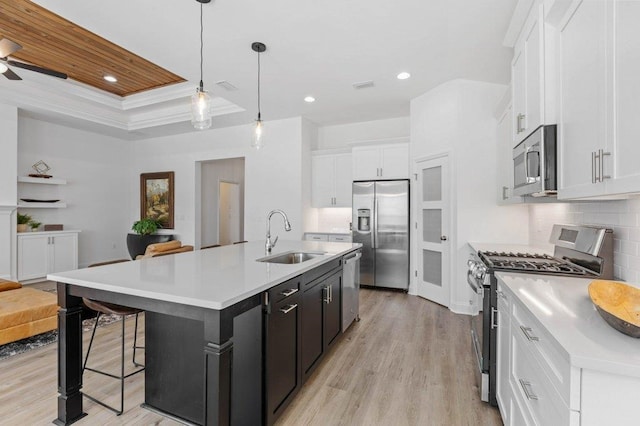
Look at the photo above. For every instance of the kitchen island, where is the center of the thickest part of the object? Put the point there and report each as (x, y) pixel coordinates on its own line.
(221, 289)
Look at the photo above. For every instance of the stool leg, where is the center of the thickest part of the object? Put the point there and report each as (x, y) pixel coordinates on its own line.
(135, 344)
(122, 370)
(93, 334)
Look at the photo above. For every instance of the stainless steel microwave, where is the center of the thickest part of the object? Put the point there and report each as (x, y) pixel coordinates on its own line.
(534, 163)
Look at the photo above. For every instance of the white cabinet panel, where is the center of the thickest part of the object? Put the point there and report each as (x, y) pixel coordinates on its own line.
(381, 162)
(366, 163)
(583, 99)
(504, 160)
(503, 392)
(33, 256)
(331, 180)
(46, 252)
(64, 253)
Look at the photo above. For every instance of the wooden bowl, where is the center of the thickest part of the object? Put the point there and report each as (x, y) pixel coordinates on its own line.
(618, 304)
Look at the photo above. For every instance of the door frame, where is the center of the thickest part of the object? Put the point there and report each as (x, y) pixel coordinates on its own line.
(452, 237)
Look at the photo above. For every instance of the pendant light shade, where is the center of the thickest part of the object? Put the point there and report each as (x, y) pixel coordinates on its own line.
(201, 101)
(257, 140)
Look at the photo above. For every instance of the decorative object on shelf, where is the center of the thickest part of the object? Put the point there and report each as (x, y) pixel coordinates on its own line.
(156, 197)
(145, 234)
(41, 169)
(618, 304)
(257, 141)
(34, 225)
(23, 222)
(33, 200)
(53, 227)
(201, 101)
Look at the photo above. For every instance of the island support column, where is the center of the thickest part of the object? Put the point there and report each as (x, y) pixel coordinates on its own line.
(69, 357)
(218, 353)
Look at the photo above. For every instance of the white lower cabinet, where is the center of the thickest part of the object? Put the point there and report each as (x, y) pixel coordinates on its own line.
(503, 393)
(44, 253)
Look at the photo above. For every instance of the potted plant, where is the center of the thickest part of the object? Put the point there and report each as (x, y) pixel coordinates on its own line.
(145, 234)
(23, 222)
(34, 225)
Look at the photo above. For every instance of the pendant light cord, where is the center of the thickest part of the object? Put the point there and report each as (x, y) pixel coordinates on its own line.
(201, 48)
(258, 85)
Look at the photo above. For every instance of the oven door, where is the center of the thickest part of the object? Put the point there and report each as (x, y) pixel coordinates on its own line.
(480, 324)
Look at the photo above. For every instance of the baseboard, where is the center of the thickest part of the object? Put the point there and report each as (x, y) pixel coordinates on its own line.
(462, 309)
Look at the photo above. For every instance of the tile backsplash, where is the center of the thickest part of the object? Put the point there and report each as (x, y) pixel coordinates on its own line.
(623, 216)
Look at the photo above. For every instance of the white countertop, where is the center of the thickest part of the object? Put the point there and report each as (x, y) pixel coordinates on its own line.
(563, 307)
(64, 231)
(212, 278)
(515, 248)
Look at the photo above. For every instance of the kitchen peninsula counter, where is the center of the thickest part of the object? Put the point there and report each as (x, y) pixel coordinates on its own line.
(217, 289)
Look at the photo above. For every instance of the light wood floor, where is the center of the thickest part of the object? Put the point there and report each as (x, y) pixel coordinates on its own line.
(408, 362)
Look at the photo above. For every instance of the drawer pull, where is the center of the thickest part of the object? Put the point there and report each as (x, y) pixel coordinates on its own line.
(289, 292)
(288, 308)
(526, 387)
(500, 294)
(527, 332)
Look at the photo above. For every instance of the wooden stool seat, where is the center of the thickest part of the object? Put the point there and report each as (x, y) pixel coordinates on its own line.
(110, 308)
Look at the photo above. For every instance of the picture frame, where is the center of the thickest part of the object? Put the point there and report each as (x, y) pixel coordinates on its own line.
(157, 197)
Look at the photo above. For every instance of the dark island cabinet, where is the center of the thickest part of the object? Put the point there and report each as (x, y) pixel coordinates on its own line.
(282, 347)
(302, 318)
(321, 310)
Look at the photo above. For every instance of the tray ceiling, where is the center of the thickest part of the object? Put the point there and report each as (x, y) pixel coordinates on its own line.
(50, 41)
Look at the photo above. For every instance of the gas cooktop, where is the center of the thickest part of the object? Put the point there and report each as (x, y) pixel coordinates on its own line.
(529, 262)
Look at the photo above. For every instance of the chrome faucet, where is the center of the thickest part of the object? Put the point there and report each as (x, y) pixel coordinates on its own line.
(287, 227)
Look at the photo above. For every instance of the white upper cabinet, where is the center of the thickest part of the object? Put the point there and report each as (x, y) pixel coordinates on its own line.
(626, 50)
(331, 180)
(599, 64)
(504, 160)
(381, 162)
(528, 76)
(582, 128)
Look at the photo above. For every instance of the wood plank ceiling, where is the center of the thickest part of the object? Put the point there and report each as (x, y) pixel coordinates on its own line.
(50, 41)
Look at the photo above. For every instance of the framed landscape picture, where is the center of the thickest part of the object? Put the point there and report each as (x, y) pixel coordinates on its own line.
(156, 197)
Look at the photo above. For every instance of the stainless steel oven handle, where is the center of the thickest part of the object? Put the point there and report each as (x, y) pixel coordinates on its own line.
(494, 318)
(472, 282)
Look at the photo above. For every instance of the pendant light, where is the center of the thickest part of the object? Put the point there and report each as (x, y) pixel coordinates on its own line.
(201, 101)
(257, 141)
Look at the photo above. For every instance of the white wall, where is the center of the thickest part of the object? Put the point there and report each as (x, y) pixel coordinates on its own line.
(273, 174)
(457, 117)
(623, 216)
(97, 193)
(214, 172)
(8, 189)
(340, 136)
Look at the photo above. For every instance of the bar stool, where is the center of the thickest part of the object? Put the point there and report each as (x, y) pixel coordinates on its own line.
(123, 311)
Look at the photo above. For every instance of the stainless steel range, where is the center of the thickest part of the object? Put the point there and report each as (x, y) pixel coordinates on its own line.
(579, 251)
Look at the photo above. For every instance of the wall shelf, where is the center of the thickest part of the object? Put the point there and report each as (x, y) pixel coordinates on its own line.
(44, 181)
(57, 205)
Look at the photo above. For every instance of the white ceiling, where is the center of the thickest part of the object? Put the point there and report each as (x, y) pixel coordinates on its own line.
(314, 47)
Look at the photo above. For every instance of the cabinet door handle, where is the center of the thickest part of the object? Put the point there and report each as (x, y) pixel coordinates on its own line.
(325, 299)
(289, 308)
(528, 391)
(494, 318)
(267, 307)
(330, 294)
(602, 175)
(504, 192)
(519, 123)
(593, 167)
(527, 332)
(500, 294)
(289, 292)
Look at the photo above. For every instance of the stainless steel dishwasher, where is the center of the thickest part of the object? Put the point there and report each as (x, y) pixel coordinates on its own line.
(350, 289)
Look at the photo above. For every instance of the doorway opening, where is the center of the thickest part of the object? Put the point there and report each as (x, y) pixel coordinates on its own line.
(222, 202)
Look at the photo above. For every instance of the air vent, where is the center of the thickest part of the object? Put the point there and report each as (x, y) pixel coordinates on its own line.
(226, 85)
(363, 84)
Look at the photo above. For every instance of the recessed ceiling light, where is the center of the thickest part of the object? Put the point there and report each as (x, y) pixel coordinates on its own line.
(309, 99)
(110, 78)
(403, 76)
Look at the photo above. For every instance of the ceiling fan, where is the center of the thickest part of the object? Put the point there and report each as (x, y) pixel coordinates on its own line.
(7, 48)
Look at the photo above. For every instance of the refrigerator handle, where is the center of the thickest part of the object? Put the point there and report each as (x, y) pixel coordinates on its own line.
(375, 224)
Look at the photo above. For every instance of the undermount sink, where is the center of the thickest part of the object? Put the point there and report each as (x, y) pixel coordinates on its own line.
(290, 257)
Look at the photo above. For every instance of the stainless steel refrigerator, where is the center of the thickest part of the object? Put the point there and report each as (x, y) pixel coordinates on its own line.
(381, 225)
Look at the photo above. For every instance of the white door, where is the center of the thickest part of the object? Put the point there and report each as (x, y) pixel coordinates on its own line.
(432, 237)
(229, 213)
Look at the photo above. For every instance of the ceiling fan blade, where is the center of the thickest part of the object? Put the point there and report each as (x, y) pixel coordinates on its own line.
(11, 75)
(8, 47)
(38, 69)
